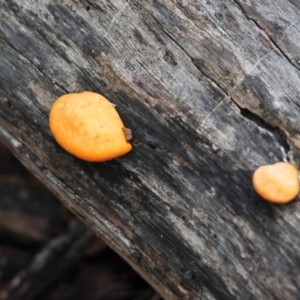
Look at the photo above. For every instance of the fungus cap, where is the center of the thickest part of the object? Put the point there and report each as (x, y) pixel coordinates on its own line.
(88, 126)
(277, 183)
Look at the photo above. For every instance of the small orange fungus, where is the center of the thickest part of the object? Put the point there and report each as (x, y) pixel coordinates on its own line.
(276, 183)
(88, 126)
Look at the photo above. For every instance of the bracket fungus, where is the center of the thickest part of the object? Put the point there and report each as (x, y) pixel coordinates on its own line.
(88, 126)
(277, 183)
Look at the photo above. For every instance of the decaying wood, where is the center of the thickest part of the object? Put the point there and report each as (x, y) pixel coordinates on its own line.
(30, 215)
(210, 90)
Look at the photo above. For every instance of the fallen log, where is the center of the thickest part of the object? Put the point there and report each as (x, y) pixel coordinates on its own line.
(210, 90)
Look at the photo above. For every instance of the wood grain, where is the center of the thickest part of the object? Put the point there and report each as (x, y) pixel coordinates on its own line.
(210, 90)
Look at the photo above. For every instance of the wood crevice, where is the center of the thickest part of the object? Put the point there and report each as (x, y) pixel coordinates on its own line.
(278, 133)
(265, 32)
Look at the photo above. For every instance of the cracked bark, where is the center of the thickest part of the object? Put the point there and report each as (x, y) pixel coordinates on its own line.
(210, 90)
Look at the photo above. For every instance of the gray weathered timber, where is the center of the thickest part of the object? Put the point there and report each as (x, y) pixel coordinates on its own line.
(211, 90)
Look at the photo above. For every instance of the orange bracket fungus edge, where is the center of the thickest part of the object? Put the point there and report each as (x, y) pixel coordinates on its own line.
(277, 183)
(88, 126)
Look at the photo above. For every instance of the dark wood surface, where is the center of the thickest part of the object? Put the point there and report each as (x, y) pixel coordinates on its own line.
(46, 254)
(210, 90)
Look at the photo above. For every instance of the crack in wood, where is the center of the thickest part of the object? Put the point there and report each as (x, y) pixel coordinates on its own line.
(152, 146)
(265, 33)
(279, 134)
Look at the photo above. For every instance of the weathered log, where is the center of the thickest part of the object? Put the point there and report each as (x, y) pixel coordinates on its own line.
(210, 90)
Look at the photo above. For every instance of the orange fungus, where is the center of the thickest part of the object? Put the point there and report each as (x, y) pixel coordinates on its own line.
(88, 126)
(276, 183)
